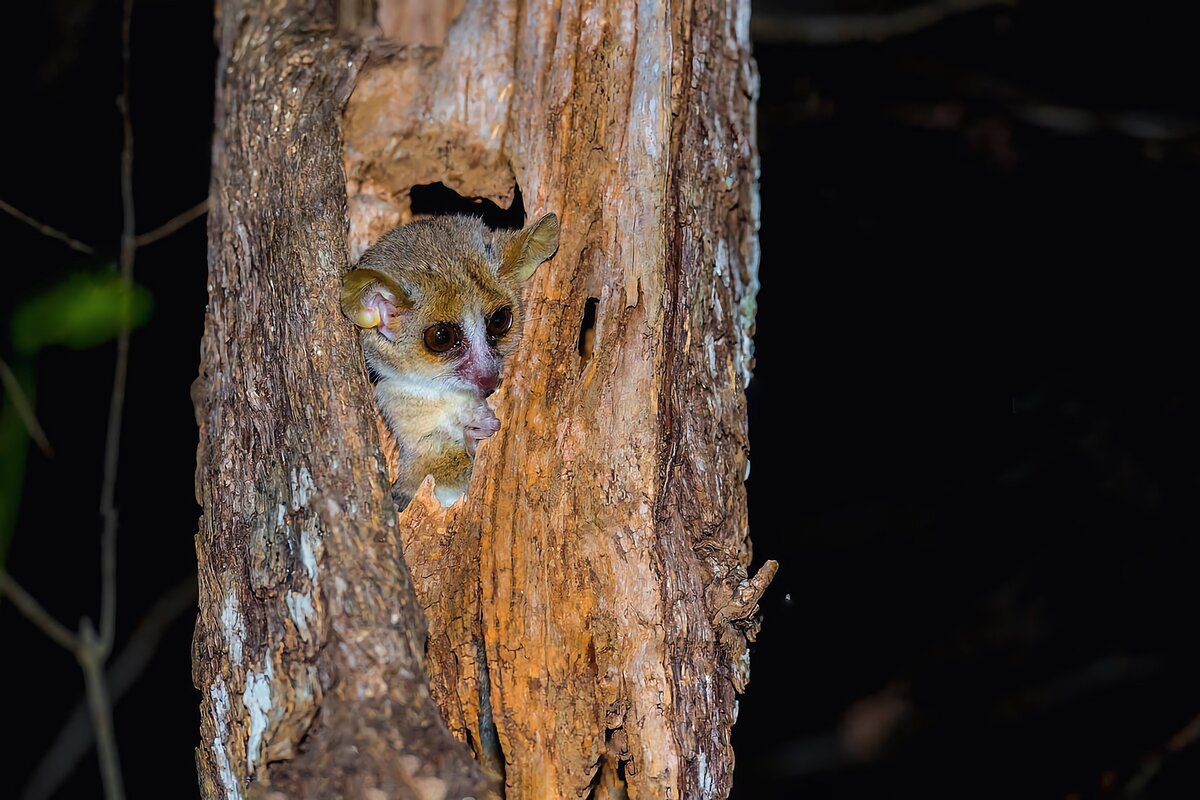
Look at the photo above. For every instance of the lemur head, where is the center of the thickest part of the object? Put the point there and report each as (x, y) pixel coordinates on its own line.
(439, 300)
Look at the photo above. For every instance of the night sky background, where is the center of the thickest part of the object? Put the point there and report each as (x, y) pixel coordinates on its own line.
(974, 420)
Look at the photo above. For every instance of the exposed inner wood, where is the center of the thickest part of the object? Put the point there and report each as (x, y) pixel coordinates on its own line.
(416, 21)
(600, 555)
(587, 604)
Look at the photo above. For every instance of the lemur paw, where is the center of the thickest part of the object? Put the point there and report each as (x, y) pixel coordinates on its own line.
(482, 424)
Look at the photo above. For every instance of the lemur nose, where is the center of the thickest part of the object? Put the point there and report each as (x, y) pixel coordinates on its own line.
(488, 384)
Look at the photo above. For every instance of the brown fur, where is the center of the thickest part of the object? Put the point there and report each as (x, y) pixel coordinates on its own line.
(450, 270)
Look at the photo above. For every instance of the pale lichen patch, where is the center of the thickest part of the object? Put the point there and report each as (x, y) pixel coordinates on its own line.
(704, 778)
(308, 551)
(748, 309)
(300, 608)
(220, 701)
(235, 627)
(302, 488)
(257, 700)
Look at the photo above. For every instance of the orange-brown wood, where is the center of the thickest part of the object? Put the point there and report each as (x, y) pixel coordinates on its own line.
(586, 606)
(594, 577)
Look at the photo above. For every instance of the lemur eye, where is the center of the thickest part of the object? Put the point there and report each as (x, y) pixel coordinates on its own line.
(499, 322)
(442, 337)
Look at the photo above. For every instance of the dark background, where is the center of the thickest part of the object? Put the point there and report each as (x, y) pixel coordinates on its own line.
(973, 419)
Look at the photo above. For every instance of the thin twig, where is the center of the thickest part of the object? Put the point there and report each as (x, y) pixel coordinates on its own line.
(112, 444)
(1152, 766)
(33, 611)
(91, 659)
(833, 29)
(43, 228)
(92, 648)
(89, 652)
(173, 224)
(24, 409)
(77, 735)
(1187, 736)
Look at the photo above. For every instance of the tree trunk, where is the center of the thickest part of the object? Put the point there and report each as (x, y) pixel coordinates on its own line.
(587, 602)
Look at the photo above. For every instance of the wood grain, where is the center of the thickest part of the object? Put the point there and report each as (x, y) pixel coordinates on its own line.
(600, 556)
(309, 648)
(580, 620)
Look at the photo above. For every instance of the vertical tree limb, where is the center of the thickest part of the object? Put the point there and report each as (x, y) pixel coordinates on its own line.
(305, 600)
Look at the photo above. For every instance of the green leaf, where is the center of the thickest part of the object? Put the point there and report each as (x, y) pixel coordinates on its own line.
(84, 310)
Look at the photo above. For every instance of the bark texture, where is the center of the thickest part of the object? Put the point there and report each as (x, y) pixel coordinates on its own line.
(306, 606)
(587, 602)
(589, 598)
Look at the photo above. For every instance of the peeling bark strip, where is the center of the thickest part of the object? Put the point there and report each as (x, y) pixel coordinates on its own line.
(600, 555)
(310, 643)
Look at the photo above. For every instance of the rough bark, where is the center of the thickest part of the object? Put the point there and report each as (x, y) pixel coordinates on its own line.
(306, 607)
(588, 605)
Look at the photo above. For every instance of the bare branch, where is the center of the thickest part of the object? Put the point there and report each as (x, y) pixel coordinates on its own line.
(173, 224)
(91, 659)
(1136, 124)
(77, 735)
(41, 227)
(1187, 736)
(24, 409)
(831, 29)
(112, 444)
(92, 648)
(33, 611)
(93, 656)
(1152, 765)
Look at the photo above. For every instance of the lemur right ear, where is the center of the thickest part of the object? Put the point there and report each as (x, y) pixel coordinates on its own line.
(373, 300)
(529, 247)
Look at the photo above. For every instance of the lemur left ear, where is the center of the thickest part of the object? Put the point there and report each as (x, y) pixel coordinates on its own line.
(529, 247)
(373, 300)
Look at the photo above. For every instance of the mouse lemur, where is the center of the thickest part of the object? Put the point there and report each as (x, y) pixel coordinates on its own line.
(439, 304)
